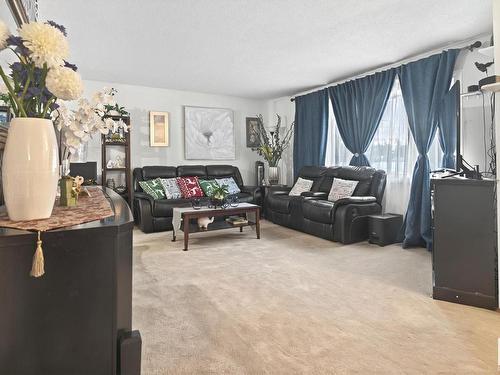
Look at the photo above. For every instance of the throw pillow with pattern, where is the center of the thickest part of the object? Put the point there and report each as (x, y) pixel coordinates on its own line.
(301, 186)
(232, 186)
(208, 186)
(153, 188)
(341, 189)
(189, 187)
(171, 188)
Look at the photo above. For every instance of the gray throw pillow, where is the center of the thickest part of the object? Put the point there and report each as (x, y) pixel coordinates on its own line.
(232, 186)
(301, 186)
(341, 189)
(171, 188)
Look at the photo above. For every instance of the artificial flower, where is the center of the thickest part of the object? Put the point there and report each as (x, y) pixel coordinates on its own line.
(46, 43)
(4, 35)
(64, 83)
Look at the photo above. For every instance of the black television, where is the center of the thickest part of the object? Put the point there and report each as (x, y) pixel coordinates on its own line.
(462, 168)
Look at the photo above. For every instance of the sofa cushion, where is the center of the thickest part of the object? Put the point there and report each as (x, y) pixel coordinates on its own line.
(155, 171)
(362, 174)
(232, 187)
(284, 203)
(189, 187)
(341, 189)
(221, 171)
(171, 188)
(208, 186)
(164, 207)
(314, 174)
(242, 197)
(154, 188)
(301, 186)
(319, 211)
(192, 170)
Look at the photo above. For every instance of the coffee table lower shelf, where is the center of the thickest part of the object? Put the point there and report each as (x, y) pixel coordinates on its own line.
(216, 225)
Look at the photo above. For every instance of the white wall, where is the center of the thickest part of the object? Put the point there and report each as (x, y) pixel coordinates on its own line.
(139, 100)
(286, 109)
(475, 128)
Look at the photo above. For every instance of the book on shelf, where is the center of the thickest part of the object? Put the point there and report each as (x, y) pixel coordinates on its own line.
(237, 220)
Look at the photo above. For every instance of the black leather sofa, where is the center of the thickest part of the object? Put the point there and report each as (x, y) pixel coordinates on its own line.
(156, 215)
(343, 221)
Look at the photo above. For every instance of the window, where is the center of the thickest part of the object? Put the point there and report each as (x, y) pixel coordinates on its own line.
(392, 150)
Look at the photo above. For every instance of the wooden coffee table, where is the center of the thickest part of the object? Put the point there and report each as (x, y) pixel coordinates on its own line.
(182, 216)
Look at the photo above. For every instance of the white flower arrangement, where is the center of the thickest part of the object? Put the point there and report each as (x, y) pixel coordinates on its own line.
(77, 126)
(64, 83)
(42, 75)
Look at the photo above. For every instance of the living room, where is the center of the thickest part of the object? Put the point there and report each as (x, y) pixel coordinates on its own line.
(265, 187)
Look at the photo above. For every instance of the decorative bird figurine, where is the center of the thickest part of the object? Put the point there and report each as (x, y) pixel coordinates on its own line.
(483, 67)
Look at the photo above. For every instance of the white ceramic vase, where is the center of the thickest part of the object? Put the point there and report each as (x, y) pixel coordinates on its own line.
(30, 170)
(274, 175)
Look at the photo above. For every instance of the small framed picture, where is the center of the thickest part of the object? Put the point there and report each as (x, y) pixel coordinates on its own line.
(158, 129)
(253, 139)
(4, 115)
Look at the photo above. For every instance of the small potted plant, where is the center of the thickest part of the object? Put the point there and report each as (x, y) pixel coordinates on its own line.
(219, 194)
(272, 146)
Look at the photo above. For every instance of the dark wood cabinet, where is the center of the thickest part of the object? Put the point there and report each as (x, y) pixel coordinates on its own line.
(70, 320)
(464, 257)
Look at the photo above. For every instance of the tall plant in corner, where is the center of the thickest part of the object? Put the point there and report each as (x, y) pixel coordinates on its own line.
(272, 145)
(40, 76)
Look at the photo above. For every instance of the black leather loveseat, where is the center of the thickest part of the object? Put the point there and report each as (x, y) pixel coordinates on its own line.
(156, 215)
(343, 221)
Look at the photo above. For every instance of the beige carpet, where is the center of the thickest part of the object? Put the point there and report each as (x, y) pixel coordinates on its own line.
(291, 303)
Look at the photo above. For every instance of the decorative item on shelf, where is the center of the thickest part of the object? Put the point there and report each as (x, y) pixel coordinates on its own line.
(5, 112)
(233, 200)
(158, 129)
(121, 189)
(196, 203)
(110, 183)
(41, 77)
(272, 146)
(218, 197)
(70, 190)
(204, 221)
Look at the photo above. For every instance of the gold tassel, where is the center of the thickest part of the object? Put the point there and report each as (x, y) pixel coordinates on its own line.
(37, 269)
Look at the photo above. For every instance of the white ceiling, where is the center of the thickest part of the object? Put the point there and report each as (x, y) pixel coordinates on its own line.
(255, 48)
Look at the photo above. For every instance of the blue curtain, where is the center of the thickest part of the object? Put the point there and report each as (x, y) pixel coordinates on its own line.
(358, 106)
(447, 123)
(310, 130)
(424, 84)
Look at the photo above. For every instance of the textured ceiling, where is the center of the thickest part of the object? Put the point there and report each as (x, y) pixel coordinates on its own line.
(255, 48)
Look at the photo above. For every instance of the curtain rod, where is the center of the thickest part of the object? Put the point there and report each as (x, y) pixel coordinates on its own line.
(468, 43)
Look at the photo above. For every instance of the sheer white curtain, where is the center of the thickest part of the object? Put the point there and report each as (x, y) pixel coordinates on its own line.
(392, 150)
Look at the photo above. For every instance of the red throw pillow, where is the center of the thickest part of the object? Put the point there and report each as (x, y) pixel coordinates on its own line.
(189, 187)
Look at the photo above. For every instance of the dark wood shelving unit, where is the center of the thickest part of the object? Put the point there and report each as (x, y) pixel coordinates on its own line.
(106, 143)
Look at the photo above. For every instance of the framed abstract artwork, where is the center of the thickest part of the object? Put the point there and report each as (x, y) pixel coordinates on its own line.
(253, 139)
(209, 133)
(158, 129)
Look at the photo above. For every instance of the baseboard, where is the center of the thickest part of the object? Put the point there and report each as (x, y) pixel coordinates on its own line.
(465, 298)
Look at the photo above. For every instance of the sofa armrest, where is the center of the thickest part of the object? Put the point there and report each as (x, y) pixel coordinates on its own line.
(350, 218)
(278, 190)
(356, 199)
(142, 195)
(314, 195)
(143, 211)
(254, 191)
